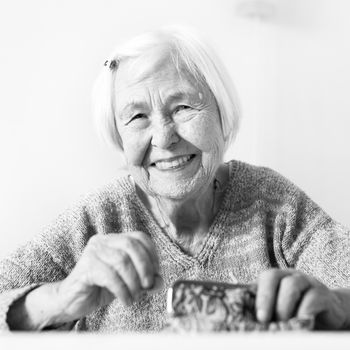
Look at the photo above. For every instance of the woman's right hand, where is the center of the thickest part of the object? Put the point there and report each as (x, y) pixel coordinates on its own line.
(112, 266)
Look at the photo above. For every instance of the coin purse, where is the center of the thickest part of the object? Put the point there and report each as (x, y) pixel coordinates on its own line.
(215, 307)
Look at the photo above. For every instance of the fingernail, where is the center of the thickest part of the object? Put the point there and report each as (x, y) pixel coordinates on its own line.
(158, 285)
(148, 282)
(261, 315)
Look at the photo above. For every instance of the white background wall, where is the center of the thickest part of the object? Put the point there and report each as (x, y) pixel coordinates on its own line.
(291, 70)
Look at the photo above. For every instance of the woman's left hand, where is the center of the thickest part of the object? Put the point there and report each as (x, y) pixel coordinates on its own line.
(283, 294)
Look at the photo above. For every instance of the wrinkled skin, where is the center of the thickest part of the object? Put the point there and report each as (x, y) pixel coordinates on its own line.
(283, 294)
(163, 116)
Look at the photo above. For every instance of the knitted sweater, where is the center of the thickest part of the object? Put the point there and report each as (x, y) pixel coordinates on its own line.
(264, 221)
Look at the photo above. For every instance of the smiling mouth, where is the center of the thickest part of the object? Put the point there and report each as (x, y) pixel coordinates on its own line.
(173, 163)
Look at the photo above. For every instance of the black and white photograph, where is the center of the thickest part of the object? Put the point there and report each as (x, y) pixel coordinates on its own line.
(174, 174)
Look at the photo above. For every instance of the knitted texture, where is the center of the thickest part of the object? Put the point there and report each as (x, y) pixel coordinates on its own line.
(264, 221)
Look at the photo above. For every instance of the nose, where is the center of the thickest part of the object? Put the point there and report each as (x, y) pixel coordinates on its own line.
(164, 135)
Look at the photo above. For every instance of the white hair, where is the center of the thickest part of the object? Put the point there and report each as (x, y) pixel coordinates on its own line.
(184, 47)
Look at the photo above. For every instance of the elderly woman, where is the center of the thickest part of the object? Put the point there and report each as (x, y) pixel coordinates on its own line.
(167, 102)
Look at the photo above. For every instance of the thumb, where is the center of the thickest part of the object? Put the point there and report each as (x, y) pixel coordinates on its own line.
(324, 307)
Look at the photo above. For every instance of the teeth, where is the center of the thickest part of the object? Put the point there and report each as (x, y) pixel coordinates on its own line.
(165, 164)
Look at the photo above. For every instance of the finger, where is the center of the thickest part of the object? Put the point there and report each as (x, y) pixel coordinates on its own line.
(268, 284)
(148, 244)
(313, 303)
(114, 240)
(290, 292)
(104, 276)
(141, 260)
(120, 261)
(325, 306)
(158, 285)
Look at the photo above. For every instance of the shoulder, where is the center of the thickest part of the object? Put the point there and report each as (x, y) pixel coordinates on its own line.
(97, 205)
(117, 193)
(251, 182)
(100, 211)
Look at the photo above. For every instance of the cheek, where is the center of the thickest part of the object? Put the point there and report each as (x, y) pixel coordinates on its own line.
(135, 147)
(203, 132)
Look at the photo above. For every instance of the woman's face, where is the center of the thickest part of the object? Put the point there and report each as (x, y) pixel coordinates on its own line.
(170, 129)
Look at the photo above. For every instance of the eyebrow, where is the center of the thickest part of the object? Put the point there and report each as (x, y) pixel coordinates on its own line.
(132, 104)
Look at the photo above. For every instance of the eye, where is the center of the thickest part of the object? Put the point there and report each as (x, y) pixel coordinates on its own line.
(181, 108)
(137, 116)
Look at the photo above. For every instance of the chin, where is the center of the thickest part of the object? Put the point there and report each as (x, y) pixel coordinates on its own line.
(181, 189)
(178, 187)
(171, 192)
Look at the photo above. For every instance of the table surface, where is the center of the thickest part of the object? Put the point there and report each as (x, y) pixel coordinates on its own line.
(281, 341)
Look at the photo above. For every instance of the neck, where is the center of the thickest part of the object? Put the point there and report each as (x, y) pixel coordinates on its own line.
(186, 221)
(188, 215)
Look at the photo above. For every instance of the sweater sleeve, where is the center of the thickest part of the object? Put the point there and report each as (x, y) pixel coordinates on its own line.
(309, 240)
(49, 257)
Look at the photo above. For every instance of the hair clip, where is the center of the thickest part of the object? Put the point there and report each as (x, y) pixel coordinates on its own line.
(112, 64)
